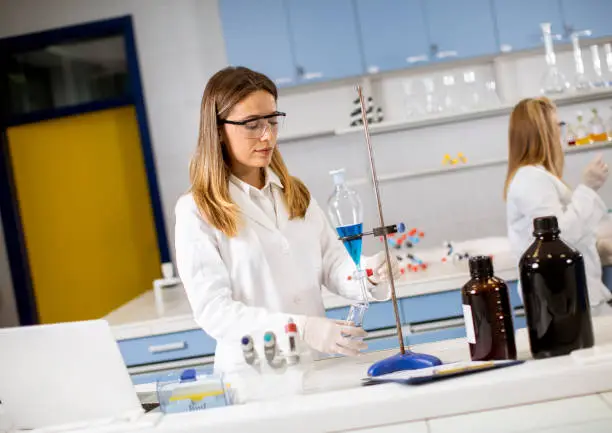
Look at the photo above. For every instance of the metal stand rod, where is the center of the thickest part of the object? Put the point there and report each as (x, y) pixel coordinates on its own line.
(366, 132)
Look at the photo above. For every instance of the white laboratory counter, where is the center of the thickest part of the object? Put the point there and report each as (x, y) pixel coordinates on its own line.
(563, 394)
(139, 317)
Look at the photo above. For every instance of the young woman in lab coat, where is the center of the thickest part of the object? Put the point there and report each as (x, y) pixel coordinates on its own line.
(534, 188)
(253, 248)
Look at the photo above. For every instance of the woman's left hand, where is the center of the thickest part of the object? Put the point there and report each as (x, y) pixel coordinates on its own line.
(378, 264)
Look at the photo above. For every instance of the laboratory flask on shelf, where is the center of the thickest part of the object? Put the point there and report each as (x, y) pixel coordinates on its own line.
(581, 82)
(597, 128)
(608, 69)
(609, 127)
(598, 78)
(346, 213)
(583, 136)
(553, 81)
(554, 285)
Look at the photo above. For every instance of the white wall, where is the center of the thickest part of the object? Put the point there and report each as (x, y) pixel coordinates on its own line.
(8, 309)
(180, 45)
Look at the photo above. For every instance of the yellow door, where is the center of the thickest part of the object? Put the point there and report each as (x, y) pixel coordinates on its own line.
(86, 212)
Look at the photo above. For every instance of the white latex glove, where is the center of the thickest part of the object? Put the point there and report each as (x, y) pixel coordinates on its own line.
(378, 264)
(596, 173)
(333, 336)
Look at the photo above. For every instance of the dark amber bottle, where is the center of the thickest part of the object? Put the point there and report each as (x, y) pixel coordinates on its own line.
(487, 313)
(555, 293)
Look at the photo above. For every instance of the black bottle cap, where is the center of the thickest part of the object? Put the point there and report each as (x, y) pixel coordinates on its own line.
(481, 266)
(546, 224)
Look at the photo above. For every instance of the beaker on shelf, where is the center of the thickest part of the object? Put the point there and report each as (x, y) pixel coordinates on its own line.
(598, 130)
(473, 98)
(609, 127)
(598, 80)
(450, 101)
(582, 132)
(569, 136)
(581, 82)
(607, 70)
(432, 104)
(553, 81)
(414, 92)
(491, 97)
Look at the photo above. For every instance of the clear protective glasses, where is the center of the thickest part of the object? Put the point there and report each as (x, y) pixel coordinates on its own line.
(256, 127)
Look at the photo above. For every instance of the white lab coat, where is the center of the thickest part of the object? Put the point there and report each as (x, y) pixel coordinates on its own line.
(534, 192)
(256, 281)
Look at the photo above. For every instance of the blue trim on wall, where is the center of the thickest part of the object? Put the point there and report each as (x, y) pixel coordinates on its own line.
(9, 208)
(39, 40)
(56, 113)
(145, 139)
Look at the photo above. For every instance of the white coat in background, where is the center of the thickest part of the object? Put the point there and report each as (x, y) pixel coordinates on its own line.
(534, 192)
(256, 281)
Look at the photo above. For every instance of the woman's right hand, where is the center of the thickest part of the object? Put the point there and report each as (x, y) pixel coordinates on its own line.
(596, 173)
(333, 336)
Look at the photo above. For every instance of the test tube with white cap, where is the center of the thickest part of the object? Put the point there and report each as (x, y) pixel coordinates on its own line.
(248, 351)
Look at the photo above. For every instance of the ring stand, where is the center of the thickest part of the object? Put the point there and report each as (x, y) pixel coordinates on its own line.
(406, 359)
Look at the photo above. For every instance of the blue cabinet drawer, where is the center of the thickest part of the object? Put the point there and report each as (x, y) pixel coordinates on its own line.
(520, 322)
(454, 332)
(436, 306)
(139, 379)
(443, 305)
(383, 343)
(437, 335)
(515, 299)
(379, 315)
(167, 347)
(607, 277)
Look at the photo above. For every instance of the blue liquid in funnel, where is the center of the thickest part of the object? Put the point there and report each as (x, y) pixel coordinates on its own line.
(353, 246)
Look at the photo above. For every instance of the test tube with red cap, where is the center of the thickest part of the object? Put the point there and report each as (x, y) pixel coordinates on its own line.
(291, 332)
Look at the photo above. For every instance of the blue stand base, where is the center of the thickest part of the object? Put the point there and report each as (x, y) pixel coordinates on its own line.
(399, 362)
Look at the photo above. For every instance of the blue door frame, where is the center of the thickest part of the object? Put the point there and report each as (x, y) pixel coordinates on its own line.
(9, 208)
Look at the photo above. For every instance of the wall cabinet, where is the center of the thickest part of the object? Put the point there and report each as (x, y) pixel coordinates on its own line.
(302, 41)
(394, 34)
(520, 30)
(257, 36)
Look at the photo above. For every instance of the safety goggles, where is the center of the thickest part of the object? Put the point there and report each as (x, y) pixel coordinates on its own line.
(256, 127)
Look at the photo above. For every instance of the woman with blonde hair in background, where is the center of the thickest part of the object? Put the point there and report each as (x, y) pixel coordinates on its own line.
(253, 249)
(534, 188)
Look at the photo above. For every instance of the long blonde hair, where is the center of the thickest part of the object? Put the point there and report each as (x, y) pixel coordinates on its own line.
(534, 138)
(209, 170)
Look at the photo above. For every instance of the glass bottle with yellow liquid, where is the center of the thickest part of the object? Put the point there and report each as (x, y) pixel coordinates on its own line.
(597, 128)
(609, 127)
(583, 135)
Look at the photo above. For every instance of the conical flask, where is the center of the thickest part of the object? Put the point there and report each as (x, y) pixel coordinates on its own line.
(553, 81)
(346, 214)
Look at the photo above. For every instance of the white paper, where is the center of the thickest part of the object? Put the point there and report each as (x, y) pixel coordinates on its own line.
(469, 324)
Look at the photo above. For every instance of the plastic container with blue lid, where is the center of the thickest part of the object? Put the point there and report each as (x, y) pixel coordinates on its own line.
(191, 390)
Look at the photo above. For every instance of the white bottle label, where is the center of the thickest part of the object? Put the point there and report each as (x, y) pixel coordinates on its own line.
(469, 324)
